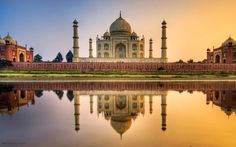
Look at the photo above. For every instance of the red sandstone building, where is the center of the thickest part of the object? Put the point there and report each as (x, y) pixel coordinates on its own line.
(226, 53)
(10, 50)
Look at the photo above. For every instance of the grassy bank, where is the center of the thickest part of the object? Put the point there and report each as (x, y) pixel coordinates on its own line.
(9, 74)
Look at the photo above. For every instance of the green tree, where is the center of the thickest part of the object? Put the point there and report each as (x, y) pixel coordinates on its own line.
(69, 56)
(58, 58)
(38, 58)
(5, 63)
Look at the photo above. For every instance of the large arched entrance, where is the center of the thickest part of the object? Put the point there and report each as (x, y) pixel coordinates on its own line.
(22, 57)
(120, 51)
(217, 59)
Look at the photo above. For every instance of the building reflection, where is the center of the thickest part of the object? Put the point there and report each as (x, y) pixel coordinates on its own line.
(120, 109)
(225, 99)
(11, 101)
(119, 103)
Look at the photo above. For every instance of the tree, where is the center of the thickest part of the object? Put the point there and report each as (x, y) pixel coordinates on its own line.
(38, 58)
(190, 61)
(38, 93)
(180, 61)
(58, 58)
(70, 95)
(59, 93)
(69, 56)
(5, 63)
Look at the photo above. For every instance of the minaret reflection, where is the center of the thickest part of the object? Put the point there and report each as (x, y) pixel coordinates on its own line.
(77, 109)
(150, 104)
(163, 112)
(91, 103)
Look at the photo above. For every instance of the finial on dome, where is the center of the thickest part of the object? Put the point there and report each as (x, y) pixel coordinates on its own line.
(120, 14)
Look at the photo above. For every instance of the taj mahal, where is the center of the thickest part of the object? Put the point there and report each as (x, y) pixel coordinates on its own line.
(120, 44)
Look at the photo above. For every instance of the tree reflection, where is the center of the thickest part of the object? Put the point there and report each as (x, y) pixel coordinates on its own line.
(59, 93)
(70, 95)
(38, 93)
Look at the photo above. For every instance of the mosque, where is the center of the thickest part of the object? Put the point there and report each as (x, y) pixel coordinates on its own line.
(120, 44)
(12, 51)
(226, 53)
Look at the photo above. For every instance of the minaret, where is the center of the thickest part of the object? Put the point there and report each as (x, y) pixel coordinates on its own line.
(91, 104)
(77, 109)
(75, 42)
(150, 48)
(90, 48)
(150, 104)
(163, 112)
(163, 43)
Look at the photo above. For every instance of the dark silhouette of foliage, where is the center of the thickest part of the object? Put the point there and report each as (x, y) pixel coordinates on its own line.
(58, 58)
(70, 95)
(190, 61)
(180, 61)
(5, 63)
(38, 58)
(69, 56)
(38, 93)
(59, 93)
(6, 88)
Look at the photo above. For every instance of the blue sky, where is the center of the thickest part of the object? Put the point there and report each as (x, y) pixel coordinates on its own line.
(47, 25)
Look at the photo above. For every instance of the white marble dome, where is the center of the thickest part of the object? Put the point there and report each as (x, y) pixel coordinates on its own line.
(120, 26)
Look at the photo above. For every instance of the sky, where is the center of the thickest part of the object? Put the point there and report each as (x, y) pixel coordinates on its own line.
(192, 25)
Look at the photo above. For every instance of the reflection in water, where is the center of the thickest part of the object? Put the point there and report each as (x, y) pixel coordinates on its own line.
(119, 103)
(225, 99)
(12, 100)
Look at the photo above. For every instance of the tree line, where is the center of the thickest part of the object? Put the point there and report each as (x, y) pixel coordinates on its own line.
(58, 58)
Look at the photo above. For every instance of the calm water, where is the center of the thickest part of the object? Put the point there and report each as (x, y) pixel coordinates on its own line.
(125, 114)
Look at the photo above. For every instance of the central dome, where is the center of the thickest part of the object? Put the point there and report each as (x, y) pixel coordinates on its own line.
(120, 27)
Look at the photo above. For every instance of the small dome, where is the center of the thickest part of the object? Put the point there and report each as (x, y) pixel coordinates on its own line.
(2, 41)
(106, 34)
(120, 26)
(9, 40)
(229, 42)
(134, 34)
(208, 50)
(75, 22)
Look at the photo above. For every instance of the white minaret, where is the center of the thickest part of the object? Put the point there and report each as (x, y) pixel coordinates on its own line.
(91, 103)
(77, 109)
(90, 48)
(163, 112)
(150, 48)
(75, 42)
(163, 43)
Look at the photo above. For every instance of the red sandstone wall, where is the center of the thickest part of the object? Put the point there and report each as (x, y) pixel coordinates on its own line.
(126, 67)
